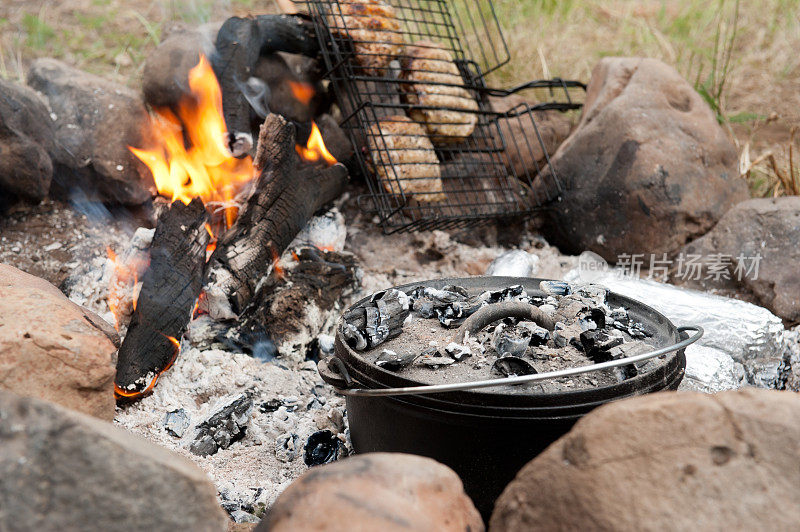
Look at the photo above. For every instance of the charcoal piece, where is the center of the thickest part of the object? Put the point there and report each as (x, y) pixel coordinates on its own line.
(597, 344)
(394, 361)
(425, 307)
(433, 358)
(506, 294)
(559, 338)
(378, 320)
(555, 288)
(538, 335)
(624, 373)
(270, 405)
(512, 366)
(457, 351)
(511, 341)
(286, 447)
(322, 447)
(594, 318)
(354, 338)
(393, 309)
(454, 314)
(223, 428)
(441, 297)
(176, 422)
(377, 332)
(619, 313)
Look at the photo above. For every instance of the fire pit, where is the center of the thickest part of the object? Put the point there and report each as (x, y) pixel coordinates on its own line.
(486, 436)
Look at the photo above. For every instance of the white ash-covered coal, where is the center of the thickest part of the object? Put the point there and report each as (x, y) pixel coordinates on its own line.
(440, 335)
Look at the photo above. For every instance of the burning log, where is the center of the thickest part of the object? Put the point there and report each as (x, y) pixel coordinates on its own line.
(170, 287)
(240, 42)
(284, 197)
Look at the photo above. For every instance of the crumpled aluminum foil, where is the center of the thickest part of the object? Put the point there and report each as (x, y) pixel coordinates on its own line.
(751, 335)
(514, 263)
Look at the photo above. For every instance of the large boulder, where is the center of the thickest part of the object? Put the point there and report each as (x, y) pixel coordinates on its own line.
(61, 470)
(667, 461)
(27, 138)
(96, 121)
(756, 245)
(53, 349)
(648, 167)
(375, 491)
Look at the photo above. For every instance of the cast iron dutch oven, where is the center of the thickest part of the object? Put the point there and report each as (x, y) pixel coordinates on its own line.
(485, 436)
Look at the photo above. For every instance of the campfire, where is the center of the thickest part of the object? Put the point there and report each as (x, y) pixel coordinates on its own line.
(219, 234)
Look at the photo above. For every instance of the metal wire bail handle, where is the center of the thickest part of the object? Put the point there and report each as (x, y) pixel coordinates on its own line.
(474, 385)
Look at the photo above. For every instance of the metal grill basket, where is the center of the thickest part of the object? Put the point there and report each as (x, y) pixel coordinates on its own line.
(410, 80)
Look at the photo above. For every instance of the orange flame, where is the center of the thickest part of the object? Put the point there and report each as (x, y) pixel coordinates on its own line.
(277, 268)
(212, 244)
(206, 169)
(315, 148)
(303, 92)
(124, 276)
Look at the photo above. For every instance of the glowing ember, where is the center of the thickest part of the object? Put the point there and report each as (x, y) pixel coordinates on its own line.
(315, 148)
(212, 244)
(276, 267)
(120, 392)
(303, 92)
(205, 169)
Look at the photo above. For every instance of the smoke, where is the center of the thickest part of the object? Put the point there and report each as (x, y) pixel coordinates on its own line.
(257, 94)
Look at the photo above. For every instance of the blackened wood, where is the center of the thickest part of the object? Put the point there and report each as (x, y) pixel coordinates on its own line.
(279, 311)
(240, 42)
(170, 287)
(284, 198)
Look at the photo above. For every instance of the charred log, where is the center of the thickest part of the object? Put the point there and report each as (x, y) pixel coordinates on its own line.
(284, 198)
(294, 305)
(170, 287)
(240, 42)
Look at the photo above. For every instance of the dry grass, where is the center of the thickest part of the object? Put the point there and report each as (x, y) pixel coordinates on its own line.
(757, 97)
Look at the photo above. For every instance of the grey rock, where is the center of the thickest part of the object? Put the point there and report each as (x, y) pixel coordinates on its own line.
(165, 80)
(647, 155)
(757, 243)
(61, 470)
(95, 122)
(27, 140)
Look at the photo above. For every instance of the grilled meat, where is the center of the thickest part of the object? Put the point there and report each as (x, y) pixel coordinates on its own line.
(374, 29)
(404, 159)
(437, 84)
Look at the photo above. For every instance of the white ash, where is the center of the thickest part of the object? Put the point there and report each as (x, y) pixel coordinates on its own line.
(111, 287)
(327, 231)
(290, 404)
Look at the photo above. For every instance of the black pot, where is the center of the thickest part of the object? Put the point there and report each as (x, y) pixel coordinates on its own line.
(485, 437)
